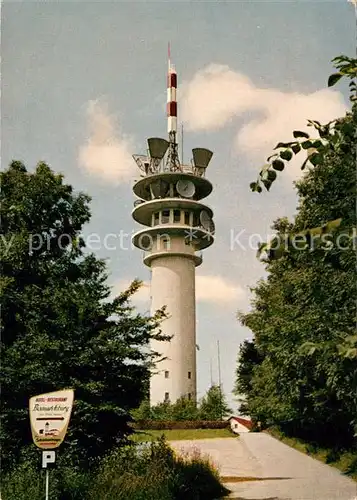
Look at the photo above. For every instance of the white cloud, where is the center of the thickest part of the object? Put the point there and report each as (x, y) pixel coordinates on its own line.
(107, 153)
(216, 95)
(217, 290)
(284, 113)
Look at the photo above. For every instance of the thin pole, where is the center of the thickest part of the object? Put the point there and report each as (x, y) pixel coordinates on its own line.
(181, 143)
(219, 381)
(210, 369)
(47, 484)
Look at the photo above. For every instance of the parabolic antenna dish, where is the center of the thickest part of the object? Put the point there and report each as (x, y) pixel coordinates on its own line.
(185, 188)
(207, 222)
(159, 188)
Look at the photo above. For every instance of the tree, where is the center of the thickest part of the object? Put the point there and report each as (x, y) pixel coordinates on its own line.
(303, 316)
(213, 406)
(182, 409)
(60, 329)
(248, 359)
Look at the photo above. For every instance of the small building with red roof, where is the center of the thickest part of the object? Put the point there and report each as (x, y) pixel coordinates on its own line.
(240, 424)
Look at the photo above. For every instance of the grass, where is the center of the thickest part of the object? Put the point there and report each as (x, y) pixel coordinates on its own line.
(180, 434)
(343, 462)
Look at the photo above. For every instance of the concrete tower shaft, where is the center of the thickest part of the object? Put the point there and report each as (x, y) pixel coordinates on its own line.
(173, 284)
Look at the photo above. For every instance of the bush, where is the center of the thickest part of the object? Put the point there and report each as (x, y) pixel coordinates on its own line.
(25, 482)
(180, 424)
(154, 473)
(73, 483)
(211, 407)
(142, 472)
(311, 448)
(196, 478)
(333, 455)
(136, 473)
(351, 464)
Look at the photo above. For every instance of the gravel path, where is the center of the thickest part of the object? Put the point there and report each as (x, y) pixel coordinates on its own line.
(297, 476)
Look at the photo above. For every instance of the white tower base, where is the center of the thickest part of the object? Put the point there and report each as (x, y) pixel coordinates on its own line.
(173, 285)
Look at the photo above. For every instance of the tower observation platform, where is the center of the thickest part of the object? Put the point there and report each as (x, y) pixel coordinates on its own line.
(178, 225)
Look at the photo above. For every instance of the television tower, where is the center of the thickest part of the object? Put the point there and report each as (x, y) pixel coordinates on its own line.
(178, 226)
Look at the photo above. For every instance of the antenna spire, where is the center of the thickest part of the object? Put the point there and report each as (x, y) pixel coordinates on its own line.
(169, 56)
(173, 163)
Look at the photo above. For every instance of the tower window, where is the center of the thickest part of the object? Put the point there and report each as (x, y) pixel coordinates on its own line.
(166, 374)
(177, 215)
(156, 218)
(196, 220)
(164, 242)
(189, 375)
(167, 397)
(189, 396)
(187, 218)
(165, 217)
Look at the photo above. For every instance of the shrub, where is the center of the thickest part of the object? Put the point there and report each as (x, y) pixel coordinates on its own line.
(73, 483)
(333, 455)
(153, 472)
(180, 424)
(135, 473)
(26, 482)
(150, 471)
(351, 464)
(69, 480)
(311, 448)
(196, 478)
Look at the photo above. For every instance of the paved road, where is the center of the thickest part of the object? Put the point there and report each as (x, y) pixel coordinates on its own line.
(297, 476)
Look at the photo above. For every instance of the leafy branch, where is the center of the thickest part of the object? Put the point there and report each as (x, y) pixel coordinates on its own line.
(283, 244)
(337, 134)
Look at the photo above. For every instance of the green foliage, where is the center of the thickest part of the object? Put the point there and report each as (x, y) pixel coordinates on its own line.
(248, 358)
(26, 482)
(182, 409)
(213, 406)
(129, 473)
(180, 424)
(188, 431)
(333, 136)
(155, 473)
(59, 329)
(196, 478)
(300, 373)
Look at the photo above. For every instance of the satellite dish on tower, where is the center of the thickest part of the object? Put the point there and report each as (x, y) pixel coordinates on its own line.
(159, 188)
(185, 188)
(207, 222)
(212, 227)
(157, 147)
(201, 157)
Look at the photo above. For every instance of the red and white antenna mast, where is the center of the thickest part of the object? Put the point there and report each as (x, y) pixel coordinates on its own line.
(171, 96)
(172, 162)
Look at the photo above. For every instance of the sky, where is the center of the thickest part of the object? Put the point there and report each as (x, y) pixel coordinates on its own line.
(84, 85)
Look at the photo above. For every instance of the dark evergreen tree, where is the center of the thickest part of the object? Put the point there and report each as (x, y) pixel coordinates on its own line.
(59, 327)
